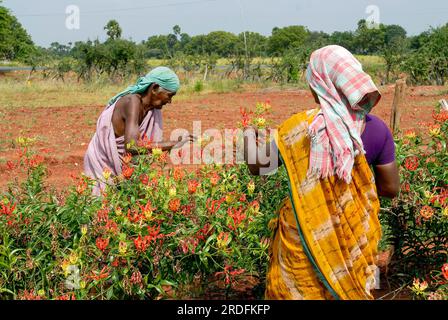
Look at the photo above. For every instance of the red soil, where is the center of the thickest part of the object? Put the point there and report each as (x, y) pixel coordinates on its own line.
(64, 132)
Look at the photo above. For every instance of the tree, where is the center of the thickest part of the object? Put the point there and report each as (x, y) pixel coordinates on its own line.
(256, 43)
(429, 63)
(286, 38)
(369, 40)
(344, 39)
(221, 43)
(395, 47)
(176, 31)
(113, 29)
(15, 43)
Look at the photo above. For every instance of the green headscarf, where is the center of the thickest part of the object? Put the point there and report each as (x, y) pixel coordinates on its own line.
(163, 76)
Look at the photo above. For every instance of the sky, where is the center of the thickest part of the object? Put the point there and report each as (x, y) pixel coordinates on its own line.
(47, 21)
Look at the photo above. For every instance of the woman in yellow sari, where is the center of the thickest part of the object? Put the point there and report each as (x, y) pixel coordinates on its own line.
(325, 242)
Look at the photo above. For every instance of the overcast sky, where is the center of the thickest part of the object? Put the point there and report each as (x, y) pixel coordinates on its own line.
(46, 20)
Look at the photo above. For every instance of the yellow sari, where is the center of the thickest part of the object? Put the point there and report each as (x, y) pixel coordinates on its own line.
(325, 244)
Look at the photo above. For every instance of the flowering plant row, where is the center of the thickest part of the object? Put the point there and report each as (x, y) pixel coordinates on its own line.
(160, 231)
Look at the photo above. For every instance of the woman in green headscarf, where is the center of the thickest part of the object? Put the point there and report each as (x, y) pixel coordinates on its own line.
(130, 115)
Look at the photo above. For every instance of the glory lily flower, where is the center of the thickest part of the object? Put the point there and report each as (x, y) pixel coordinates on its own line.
(445, 271)
(102, 243)
(427, 212)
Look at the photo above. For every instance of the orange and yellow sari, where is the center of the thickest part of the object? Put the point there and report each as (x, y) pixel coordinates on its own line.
(325, 243)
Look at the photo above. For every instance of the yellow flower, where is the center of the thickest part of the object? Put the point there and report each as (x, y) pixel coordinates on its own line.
(65, 266)
(172, 191)
(445, 212)
(260, 122)
(223, 240)
(251, 187)
(82, 284)
(156, 152)
(122, 247)
(410, 134)
(419, 287)
(434, 131)
(41, 292)
(230, 198)
(84, 230)
(73, 258)
(106, 173)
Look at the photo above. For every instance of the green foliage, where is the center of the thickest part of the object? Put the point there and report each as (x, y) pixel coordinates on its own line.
(15, 43)
(429, 62)
(417, 222)
(286, 38)
(113, 30)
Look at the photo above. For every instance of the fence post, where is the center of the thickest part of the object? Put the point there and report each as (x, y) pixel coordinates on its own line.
(395, 116)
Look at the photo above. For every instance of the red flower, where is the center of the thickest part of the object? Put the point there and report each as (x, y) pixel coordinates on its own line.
(214, 179)
(81, 187)
(10, 165)
(163, 157)
(144, 179)
(406, 187)
(7, 210)
(245, 120)
(102, 243)
(441, 198)
(144, 142)
(427, 212)
(203, 232)
(237, 215)
(102, 215)
(66, 297)
(440, 117)
(104, 273)
(127, 158)
(35, 161)
(136, 278)
(189, 245)
(147, 210)
(214, 205)
(111, 226)
(192, 186)
(411, 163)
(141, 244)
(153, 233)
(178, 174)
(115, 263)
(229, 274)
(127, 172)
(445, 271)
(134, 216)
(174, 205)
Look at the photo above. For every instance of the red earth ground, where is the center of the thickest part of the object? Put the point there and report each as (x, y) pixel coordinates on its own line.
(63, 133)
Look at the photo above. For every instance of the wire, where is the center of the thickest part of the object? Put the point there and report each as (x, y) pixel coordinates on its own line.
(119, 10)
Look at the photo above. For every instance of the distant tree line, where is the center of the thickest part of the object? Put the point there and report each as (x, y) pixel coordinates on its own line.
(285, 52)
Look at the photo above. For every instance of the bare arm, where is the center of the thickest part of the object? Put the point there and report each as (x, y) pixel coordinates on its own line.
(387, 180)
(260, 159)
(132, 132)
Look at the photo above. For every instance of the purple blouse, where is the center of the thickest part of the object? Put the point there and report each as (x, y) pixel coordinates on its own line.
(378, 141)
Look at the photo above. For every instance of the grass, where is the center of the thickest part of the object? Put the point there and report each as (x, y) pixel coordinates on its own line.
(18, 92)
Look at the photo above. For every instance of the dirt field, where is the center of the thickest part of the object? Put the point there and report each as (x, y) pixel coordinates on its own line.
(63, 133)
